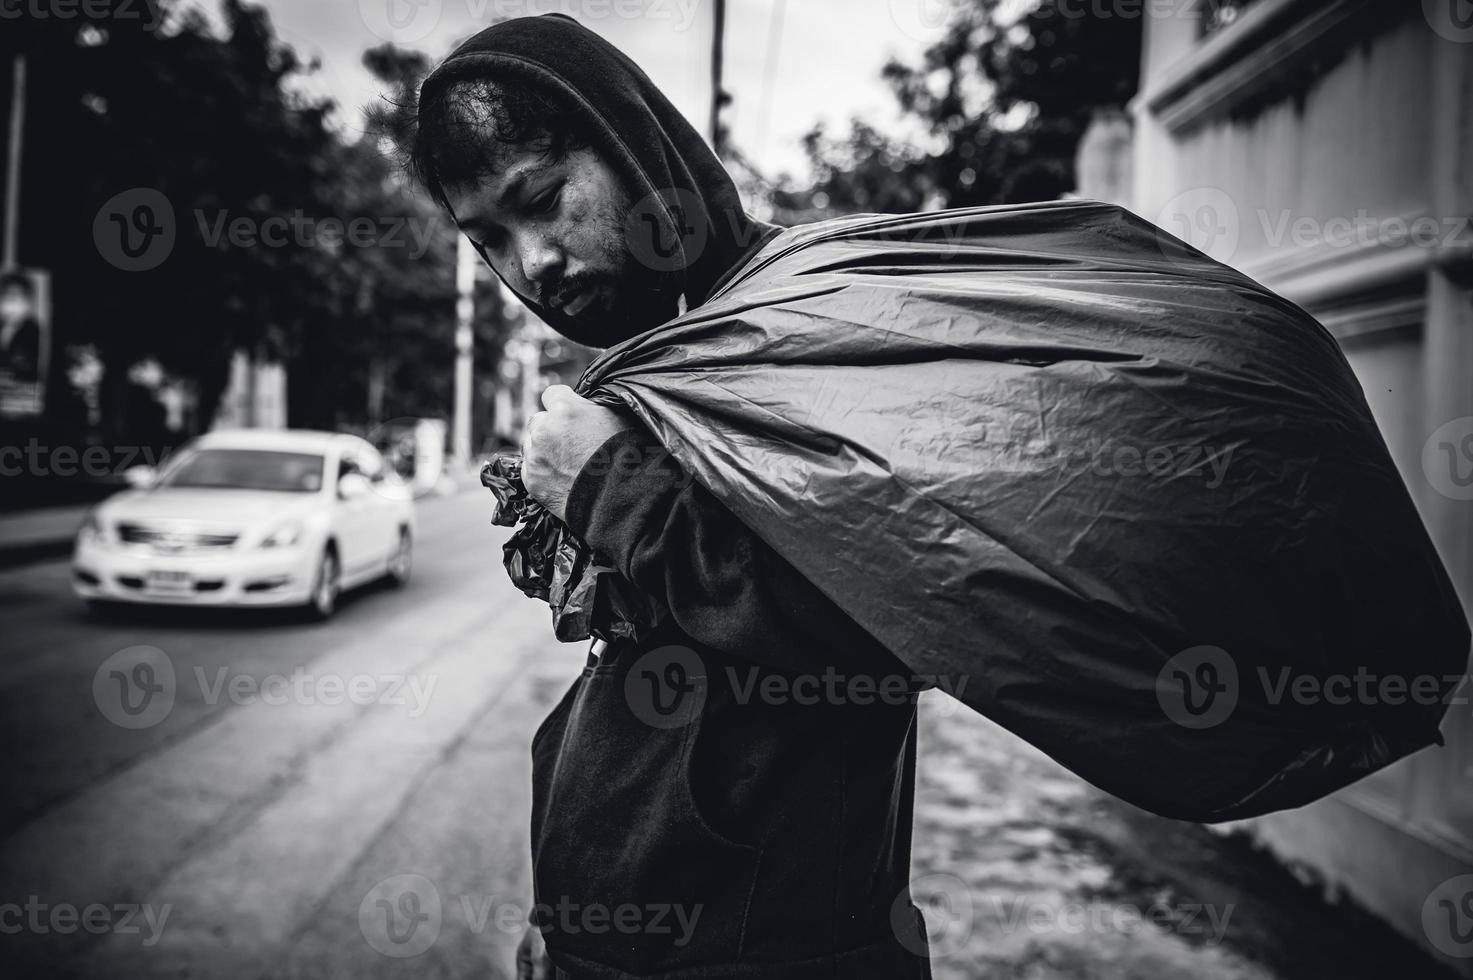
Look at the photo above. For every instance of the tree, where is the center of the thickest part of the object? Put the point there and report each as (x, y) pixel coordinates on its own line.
(1003, 101)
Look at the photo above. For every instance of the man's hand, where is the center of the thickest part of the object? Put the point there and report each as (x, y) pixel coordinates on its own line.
(558, 442)
(532, 961)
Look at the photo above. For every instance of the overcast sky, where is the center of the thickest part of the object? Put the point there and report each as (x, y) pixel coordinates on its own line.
(826, 66)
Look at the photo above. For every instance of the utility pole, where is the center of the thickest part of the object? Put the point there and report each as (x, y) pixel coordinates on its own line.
(466, 261)
(12, 163)
(718, 95)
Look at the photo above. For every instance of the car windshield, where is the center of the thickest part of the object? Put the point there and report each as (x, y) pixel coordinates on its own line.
(248, 469)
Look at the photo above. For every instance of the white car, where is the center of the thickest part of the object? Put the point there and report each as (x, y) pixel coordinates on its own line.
(250, 518)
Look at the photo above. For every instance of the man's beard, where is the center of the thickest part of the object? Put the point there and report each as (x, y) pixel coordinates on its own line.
(640, 299)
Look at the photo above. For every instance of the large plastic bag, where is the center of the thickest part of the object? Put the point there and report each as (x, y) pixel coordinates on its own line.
(1131, 503)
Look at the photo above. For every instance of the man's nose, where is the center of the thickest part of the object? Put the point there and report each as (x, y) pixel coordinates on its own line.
(542, 262)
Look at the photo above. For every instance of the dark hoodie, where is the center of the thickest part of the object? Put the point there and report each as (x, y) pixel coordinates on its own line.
(629, 122)
(704, 804)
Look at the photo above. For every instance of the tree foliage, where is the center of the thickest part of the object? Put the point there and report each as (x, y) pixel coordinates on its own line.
(215, 117)
(1002, 100)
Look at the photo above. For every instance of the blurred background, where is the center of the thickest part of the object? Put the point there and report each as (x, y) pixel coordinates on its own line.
(208, 246)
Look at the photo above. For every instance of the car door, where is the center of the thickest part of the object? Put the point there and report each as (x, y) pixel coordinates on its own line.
(386, 501)
(358, 520)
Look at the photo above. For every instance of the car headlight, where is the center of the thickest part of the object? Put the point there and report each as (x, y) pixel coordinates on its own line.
(94, 530)
(284, 536)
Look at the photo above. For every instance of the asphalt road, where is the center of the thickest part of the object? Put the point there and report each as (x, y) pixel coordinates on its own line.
(244, 822)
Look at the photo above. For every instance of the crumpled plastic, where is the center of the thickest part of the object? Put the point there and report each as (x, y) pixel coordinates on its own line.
(1116, 496)
(549, 562)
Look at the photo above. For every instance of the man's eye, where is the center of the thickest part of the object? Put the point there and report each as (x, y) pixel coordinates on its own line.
(545, 203)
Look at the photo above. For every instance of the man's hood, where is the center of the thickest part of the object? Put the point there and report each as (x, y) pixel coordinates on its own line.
(675, 180)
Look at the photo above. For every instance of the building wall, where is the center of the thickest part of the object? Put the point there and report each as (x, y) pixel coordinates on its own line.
(1296, 144)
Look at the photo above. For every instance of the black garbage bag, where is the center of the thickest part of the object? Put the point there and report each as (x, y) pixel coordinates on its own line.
(1130, 502)
(548, 562)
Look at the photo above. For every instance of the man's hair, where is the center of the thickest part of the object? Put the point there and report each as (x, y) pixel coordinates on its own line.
(461, 129)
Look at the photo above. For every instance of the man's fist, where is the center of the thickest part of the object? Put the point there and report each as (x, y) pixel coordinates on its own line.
(558, 442)
(532, 961)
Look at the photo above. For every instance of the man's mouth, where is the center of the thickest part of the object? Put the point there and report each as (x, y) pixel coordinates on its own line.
(579, 301)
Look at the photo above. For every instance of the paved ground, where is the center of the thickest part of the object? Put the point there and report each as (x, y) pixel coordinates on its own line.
(1027, 873)
(248, 832)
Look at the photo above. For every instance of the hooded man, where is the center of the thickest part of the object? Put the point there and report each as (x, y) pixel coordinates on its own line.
(730, 796)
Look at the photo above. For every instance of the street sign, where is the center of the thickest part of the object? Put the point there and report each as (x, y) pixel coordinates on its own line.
(25, 341)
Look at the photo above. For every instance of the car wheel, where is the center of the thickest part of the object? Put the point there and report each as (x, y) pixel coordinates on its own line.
(402, 560)
(326, 586)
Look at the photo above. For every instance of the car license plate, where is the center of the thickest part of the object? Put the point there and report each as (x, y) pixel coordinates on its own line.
(170, 582)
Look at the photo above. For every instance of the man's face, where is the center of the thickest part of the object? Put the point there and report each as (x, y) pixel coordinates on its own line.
(554, 230)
